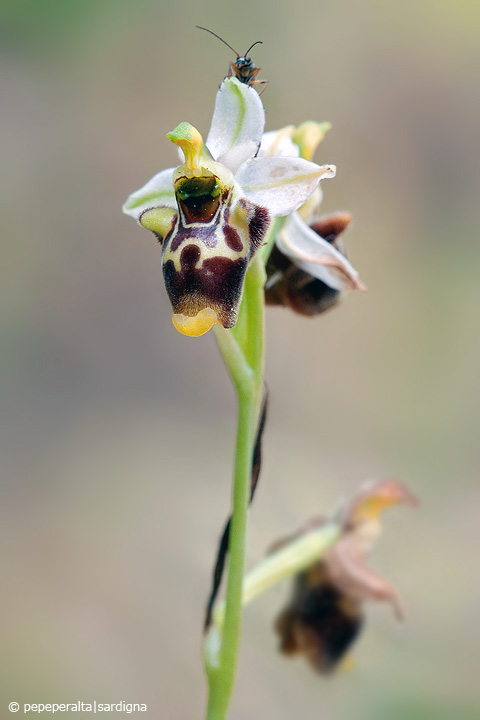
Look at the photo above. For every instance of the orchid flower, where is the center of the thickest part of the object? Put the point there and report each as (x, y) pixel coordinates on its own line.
(212, 213)
(308, 268)
(326, 611)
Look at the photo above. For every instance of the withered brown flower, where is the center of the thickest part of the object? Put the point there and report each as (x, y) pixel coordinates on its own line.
(313, 286)
(326, 610)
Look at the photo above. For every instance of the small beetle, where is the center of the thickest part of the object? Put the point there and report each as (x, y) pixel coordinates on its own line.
(243, 67)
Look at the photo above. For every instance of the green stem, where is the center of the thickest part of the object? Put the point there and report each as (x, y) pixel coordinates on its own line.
(221, 679)
(243, 355)
(255, 308)
(267, 246)
(239, 370)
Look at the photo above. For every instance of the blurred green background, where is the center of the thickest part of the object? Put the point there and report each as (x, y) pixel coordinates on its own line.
(118, 432)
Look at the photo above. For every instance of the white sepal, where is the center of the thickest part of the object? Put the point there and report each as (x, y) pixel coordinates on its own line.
(237, 124)
(158, 192)
(316, 256)
(281, 184)
(279, 142)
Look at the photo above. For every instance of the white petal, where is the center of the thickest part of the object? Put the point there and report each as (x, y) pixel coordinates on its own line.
(316, 256)
(281, 184)
(237, 124)
(279, 142)
(157, 192)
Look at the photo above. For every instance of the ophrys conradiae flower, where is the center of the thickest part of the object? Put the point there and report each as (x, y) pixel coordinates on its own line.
(212, 213)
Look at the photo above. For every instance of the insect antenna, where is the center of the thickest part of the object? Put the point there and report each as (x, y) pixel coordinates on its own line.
(218, 36)
(259, 42)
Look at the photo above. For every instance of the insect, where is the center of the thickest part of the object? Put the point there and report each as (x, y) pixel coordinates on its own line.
(243, 67)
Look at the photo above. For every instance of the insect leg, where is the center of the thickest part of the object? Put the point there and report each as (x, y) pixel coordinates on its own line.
(260, 82)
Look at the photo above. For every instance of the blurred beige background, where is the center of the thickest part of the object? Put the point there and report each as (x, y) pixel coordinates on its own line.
(118, 432)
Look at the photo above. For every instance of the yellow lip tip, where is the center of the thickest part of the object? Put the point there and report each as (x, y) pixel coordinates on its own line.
(195, 326)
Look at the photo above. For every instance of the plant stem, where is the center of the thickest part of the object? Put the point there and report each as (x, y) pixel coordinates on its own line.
(222, 679)
(243, 355)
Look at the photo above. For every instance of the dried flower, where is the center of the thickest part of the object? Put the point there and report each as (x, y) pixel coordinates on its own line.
(308, 268)
(291, 286)
(212, 213)
(326, 610)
